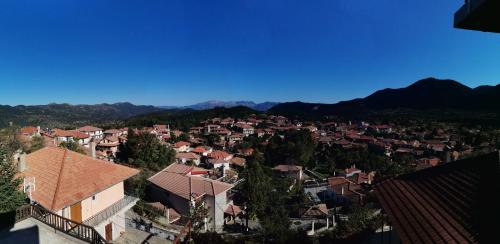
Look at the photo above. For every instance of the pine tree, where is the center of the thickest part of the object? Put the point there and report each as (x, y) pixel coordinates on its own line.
(255, 186)
(11, 196)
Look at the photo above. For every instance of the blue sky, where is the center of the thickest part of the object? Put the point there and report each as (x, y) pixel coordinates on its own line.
(180, 52)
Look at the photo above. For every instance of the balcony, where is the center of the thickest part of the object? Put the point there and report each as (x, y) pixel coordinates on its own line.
(481, 15)
(35, 224)
(125, 203)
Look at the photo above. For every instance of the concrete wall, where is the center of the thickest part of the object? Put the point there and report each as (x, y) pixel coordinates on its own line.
(216, 207)
(220, 207)
(158, 194)
(117, 221)
(102, 200)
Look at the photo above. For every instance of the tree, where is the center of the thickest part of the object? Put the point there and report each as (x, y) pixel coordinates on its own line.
(12, 197)
(255, 186)
(198, 215)
(359, 219)
(144, 150)
(296, 147)
(274, 216)
(71, 145)
(37, 143)
(275, 225)
(212, 139)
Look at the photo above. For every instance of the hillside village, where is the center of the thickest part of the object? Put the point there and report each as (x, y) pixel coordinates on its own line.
(209, 171)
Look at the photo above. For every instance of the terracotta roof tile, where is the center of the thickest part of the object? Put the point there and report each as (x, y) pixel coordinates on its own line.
(443, 203)
(65, 177)
(89, 128)
(174, 179)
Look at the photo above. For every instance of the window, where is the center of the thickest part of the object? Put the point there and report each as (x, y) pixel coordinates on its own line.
(93, 197)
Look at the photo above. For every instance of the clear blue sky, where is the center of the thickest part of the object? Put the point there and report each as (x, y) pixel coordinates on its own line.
(178, 52)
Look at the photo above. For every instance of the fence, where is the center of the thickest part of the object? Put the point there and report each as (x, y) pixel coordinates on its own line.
(72, 228)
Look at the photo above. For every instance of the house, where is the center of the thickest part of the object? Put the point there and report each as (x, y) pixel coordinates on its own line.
(196, 130)
(181, 146)
(291, 171)
(245, 128)
(344, 191)
(79, 187)
(348, 172)
(246, 151)
(94, 132)
(236, 137)
(109, 145)
(113, 132)
(69, 136)
(381, 128)
(314, 212)
(238, 162)
(218, 154)
(178, 188)
(168, 215)
(184, 157)
(30, 131)
(202, 150)
(219, 163)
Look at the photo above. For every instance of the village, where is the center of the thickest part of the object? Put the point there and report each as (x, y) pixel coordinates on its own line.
(208, 171)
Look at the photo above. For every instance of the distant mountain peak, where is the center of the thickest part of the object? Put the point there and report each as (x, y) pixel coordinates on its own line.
(227, 104)
(425, 94)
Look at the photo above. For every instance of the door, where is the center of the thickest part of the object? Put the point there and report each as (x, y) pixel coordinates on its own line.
(76, 212)
(109, 232)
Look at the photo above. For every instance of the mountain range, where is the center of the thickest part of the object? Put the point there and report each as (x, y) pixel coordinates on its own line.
(225, 104)
(426, 94)
(420, 98)
(62, 115)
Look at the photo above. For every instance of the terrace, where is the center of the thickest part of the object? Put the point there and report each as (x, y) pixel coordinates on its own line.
(124, 204)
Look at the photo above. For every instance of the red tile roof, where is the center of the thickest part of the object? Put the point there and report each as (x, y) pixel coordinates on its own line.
(181, 144)
(233, 210)
(69, 133)
(218, 154)
(316, 211)
(443, 204)
(29, 130)
(89, 128)
(199, 149)
(174, 179)
(65, 177)
(188, 156)
(287, 168)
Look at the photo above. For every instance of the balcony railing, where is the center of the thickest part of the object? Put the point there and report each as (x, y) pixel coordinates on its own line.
(127, 201)
(72, 228)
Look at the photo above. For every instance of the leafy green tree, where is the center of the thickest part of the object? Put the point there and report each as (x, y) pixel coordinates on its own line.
(275, 225)
(11, 196)
(137, 185)
(37, 143)
(212, 139)
(255, 186)
(296, 147)
(73, 146)
(144, 150)
(359, 219)
(198, 215)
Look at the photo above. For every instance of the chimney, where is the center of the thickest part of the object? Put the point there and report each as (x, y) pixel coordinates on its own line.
(21, 163)
(92, 149)
(342, 191)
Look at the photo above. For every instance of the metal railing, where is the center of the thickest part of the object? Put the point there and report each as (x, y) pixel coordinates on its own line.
(110, 211)
(78, 230)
